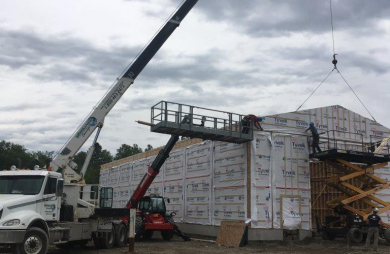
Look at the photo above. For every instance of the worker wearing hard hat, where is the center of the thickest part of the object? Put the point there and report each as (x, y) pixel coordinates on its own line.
(316, 137)
(246, 123)
(374, 221)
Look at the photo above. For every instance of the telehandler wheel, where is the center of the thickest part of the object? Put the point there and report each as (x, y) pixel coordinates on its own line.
(35, 242)
(139, 224)
(167, 235)
(148, 234)
(355, 235)
(120, 239)
(108, 241)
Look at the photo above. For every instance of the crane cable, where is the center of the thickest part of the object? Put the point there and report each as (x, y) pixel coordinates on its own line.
(335, 68)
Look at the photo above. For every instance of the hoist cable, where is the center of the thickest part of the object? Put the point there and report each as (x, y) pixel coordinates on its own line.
(331, 23)
(316, 88)
(355, 94)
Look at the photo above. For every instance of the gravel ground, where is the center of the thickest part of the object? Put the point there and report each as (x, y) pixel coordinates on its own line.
(154, 246)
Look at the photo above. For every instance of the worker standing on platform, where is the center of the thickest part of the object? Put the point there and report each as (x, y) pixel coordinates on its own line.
(374, 221)
(316, 137)
(246, 123)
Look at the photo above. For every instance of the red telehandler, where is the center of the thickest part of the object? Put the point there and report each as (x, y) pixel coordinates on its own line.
(151, 210)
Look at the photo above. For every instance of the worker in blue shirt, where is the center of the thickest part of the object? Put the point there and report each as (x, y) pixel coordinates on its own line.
(374, 221)
(316, 137)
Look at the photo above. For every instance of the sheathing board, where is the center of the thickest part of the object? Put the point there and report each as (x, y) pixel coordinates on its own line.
(206, 182)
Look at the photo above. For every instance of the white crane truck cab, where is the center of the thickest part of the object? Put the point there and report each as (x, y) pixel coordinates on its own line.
(38, 210)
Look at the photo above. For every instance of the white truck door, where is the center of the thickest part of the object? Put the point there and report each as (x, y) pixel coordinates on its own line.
(51, 204)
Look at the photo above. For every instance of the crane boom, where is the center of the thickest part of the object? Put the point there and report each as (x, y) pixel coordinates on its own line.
(153, 171)
(63, 160)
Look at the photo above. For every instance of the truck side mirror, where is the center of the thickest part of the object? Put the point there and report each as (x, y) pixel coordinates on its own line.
(59, 187)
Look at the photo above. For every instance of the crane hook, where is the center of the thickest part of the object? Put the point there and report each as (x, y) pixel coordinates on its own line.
(334, 61)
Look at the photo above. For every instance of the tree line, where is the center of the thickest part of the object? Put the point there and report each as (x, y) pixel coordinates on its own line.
(17, 155)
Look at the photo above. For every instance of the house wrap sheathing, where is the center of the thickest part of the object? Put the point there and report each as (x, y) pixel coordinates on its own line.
(266, 181)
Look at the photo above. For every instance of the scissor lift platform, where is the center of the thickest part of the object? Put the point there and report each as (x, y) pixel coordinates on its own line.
(358, 166)
(196, 122)
(352, 156)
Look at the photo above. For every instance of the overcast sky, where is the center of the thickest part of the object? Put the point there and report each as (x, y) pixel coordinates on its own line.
(58, 58)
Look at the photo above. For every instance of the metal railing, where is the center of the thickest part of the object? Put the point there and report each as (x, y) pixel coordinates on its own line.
(336, 142)
(217, 120)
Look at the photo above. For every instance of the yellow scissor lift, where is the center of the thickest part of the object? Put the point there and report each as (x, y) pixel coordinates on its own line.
(357, 182)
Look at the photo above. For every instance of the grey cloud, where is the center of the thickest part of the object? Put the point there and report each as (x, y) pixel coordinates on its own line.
(62, 58)
(22, 106)
(277, 18)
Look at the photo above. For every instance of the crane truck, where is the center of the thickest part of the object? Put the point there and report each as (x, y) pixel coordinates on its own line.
(39, 208)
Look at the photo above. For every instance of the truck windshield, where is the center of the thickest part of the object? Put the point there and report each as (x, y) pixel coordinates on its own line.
(25, 185)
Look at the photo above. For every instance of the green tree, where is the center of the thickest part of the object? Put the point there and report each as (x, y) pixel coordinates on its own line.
(13, 154)
(79, 159)
(40, 158)
(148, 147)
(126, 151)
(100, 156)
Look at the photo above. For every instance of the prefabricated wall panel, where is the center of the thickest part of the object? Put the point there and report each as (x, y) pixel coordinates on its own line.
(269, 181)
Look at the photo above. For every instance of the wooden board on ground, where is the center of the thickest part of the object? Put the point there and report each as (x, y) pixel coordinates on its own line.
(233, 233)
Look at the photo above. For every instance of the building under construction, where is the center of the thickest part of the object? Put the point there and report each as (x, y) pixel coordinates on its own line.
(268, 179)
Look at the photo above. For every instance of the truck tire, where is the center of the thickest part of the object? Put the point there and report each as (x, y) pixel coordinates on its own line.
(148, 234)
(108, 241)
(35, 242)
(139, 224)
(120, 239)
(386, 235)
(355, 235)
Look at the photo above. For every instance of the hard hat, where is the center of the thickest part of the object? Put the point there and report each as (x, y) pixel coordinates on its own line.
(13, 168)
(36, 167)
(311, 124)
(375, 210)
(259, 118)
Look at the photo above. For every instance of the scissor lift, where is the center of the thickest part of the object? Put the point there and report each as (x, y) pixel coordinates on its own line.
(358, 183)
(197, 122)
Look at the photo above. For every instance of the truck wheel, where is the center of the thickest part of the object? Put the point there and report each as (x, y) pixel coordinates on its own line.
(139, 224)
(35, 242)
(355, 235)
(386, 235)
(148, 234)
(120, 239)
(167, 235)
(109, 240)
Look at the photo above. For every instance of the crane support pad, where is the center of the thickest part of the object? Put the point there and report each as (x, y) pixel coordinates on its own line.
(352, 156)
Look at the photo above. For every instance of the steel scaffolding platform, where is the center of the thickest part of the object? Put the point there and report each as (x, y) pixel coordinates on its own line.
(356, 179)
(352, 156)
(196, 122)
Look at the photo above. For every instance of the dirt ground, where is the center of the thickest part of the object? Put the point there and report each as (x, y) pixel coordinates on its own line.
(312, 245)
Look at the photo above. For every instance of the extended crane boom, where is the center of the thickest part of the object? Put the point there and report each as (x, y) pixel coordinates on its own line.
(153, 171)
(63, 160)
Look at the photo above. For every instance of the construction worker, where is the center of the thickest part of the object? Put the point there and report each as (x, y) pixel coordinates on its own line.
(246, 123)
(374, 221)
(316, 137)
